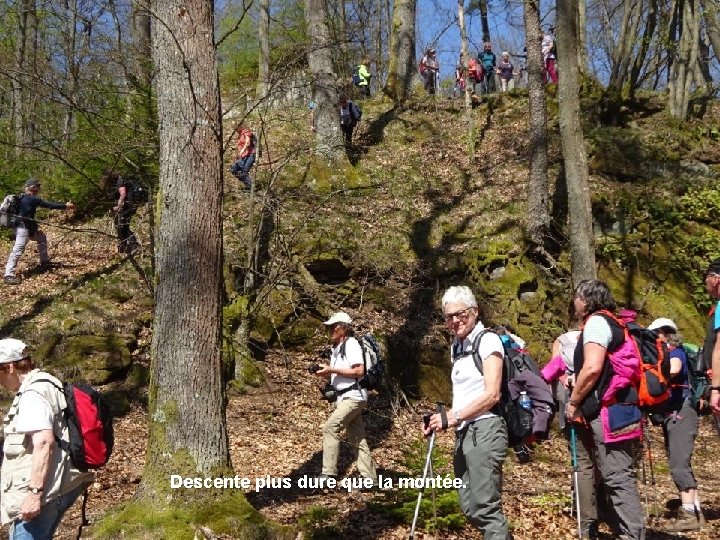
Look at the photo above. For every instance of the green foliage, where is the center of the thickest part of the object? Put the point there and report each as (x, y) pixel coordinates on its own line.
(319, 523)
(222, 513)
(439, 509)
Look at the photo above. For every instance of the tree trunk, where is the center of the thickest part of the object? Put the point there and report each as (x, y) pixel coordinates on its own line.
(639, 60)
(328, 138)
(402, 50)
(622, 51)
(538, 212)
(582, 243)
(483, 6)
(263, 85)
(711, 15)
(25, 52)
(582, 37)
(186, 413)
(683, 68)
(468, 93)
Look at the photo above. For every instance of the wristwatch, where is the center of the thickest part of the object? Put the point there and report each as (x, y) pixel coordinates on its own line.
(715, 388)
(35, 490)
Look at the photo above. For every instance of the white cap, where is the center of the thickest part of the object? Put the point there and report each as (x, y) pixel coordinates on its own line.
(662, 323)
(339, 317)
(12, 350)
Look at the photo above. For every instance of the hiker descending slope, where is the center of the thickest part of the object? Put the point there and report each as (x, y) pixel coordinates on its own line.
(39, 481)
(345, 368)
(130, 195)
(361, 77)
(429, 69)
(350, 115)
(245, 155)
(27, 228)
(481, 435)
(603, 405)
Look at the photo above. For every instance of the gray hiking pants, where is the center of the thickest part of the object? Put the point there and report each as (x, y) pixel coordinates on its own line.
(679, 431)
(479, 455)
(615, 461)
(22, 237)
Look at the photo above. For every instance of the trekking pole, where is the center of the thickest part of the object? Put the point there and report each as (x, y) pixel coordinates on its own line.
(652, 470)
(576, 480)
(427, 468)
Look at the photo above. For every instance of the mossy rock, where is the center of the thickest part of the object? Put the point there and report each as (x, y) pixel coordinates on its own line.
(138, 376)
(118, 402)
(93, 359)
(301, 333)
(249, 373)
(274, 314)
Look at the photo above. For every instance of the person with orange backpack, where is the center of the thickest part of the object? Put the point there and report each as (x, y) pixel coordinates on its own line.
(604, 404)
(680, 427)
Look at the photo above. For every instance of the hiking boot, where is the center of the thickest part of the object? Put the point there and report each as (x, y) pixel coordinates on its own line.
(12, 280)
(684, 522)
(47, 265)
(522, 453)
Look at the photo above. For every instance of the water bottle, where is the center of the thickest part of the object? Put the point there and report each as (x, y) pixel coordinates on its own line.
(524, 401)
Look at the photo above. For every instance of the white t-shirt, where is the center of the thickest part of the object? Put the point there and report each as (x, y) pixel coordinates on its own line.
(353, 356)
(34, 413)
(468, 383)
(597, 330)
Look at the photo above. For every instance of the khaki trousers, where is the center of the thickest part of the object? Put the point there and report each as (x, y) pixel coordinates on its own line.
(347, 415)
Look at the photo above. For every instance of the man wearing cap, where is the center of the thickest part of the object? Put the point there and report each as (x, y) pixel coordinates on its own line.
(711, 349)
(39, 483)
(429, 68)
(344, 370)
(28, 229)
(680, 427)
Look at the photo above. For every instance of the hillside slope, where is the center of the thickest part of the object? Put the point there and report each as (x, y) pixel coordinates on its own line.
(381, 237)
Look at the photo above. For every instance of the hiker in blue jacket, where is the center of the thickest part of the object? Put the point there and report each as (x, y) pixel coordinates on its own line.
(27, 229)
(350, 115)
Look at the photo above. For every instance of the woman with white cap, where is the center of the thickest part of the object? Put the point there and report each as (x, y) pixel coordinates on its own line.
(680, 427)
(39, 482)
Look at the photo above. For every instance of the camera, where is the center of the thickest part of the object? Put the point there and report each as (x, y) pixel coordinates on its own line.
(328, 393)
(314, 368)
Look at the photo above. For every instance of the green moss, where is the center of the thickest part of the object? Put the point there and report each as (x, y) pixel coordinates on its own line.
(224, 513)
(95, 359)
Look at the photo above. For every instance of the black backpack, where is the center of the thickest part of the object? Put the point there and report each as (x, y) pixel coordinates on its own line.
(698, 379)
(137, 193)
(515, 361)
(9, 210)
(355, 113)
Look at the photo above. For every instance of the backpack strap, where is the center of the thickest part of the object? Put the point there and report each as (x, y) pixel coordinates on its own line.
(474, 351)
(63, 445)
(341, 351)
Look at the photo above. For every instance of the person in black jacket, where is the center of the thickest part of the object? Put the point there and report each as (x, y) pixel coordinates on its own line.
(27, 228)
(124, 210)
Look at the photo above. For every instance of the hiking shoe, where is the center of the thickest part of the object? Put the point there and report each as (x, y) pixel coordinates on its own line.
(12, 280)
(684, 522)
(47, 265)
(522, 453)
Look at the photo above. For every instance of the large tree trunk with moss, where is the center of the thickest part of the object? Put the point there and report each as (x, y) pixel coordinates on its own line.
(186, 413)
(582, 245)
(682, 73)
(328, 137)
(402, 50)
(538, 212)
(23, 98)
